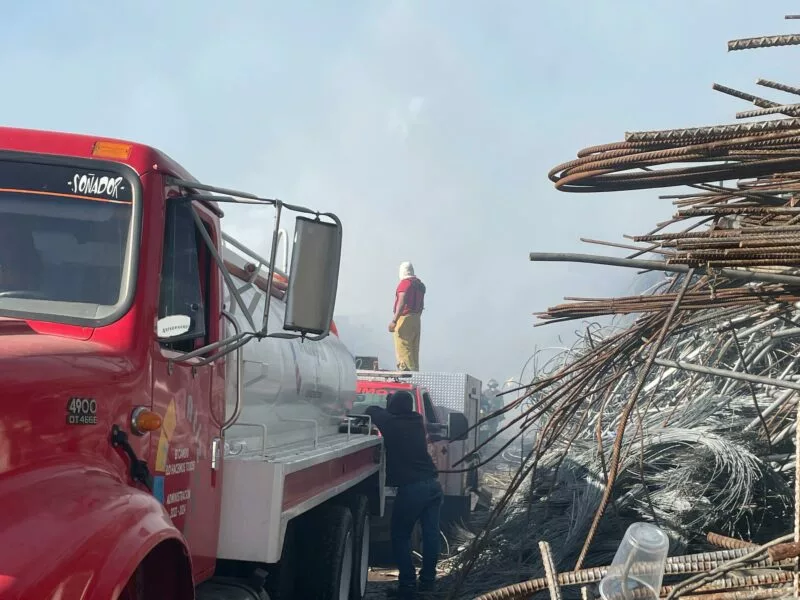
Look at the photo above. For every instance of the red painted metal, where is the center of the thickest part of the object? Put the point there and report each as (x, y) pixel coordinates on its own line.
(74, 523)
(367, 385)
(305, 484)
(72, 519)
(437, 449)
(69, 527)
(142, 159)
(192, 402)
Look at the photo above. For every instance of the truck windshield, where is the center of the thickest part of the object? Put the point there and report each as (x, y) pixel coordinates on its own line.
(64, 235)
(371, 398)
(375, 397)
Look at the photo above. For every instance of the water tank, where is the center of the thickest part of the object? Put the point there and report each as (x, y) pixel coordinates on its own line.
(294, 390)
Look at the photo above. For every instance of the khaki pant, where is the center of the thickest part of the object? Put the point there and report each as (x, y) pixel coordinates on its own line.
(406, 342)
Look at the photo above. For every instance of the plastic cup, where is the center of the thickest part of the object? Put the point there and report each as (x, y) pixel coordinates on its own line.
(638, 566)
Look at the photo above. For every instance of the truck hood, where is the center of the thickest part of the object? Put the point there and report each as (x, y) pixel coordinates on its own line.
(41, 374)
(23, 338)
(63, 486)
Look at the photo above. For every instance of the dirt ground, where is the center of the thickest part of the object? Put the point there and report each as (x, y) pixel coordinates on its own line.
(380, 580)
(383, 579)
(495, 479)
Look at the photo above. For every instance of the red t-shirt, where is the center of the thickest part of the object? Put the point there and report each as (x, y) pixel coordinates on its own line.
(415, 295)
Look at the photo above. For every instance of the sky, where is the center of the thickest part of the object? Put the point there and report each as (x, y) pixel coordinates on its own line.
(427, 126)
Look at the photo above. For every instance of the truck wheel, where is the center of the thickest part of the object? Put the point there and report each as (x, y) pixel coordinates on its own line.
(334, 554)
(134, 588)
(280, 584)
(359, 508)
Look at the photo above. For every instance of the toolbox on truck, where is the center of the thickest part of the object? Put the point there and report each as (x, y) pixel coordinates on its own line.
(456, 392)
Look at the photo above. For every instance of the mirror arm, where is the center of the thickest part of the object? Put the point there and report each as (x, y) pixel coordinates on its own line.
(272, 255)
(237, 409)
(338, 224)
(244, 198)
(221, 265)
(248, 252)
(224, 346)
(283, 236)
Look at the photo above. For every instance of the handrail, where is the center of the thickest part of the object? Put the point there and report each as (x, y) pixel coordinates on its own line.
(237, 409)
(353, 417)
(263, 428)
(314, 421)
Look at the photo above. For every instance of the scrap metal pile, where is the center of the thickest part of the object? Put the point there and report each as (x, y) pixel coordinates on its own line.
(687, 417)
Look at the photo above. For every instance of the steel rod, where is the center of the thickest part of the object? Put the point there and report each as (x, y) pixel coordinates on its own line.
(684, 366)
(657, 265)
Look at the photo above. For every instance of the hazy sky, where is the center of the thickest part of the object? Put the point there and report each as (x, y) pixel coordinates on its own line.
(428, 126)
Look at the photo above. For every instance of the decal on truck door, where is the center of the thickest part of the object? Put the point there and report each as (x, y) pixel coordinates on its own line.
(174, 462)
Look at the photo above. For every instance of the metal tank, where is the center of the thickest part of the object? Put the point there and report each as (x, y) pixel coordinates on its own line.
(295, 393)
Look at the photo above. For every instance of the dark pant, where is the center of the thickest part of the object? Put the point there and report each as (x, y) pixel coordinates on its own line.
(421, 501)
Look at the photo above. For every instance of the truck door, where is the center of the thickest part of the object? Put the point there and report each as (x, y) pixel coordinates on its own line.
(192, 413)
(437, 450)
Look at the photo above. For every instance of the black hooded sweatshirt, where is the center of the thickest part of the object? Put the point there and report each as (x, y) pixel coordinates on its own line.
(407, 458)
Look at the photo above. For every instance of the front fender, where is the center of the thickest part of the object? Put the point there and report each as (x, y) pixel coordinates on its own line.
(74, 532)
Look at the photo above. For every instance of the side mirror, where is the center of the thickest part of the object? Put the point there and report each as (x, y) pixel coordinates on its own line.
(458, 426)
(437, 431)
(311, 293)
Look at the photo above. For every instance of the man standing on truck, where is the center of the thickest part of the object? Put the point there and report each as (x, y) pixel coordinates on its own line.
(409, 302)
(410, 469)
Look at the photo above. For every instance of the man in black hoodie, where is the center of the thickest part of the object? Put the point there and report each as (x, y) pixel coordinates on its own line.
(419, 495)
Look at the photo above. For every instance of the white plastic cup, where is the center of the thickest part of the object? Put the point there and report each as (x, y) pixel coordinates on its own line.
(638, 566)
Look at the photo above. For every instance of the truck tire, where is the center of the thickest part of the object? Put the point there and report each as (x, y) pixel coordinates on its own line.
(229, 589)
(280, 584)
(359, 508)
(134, 588)
(333, 555)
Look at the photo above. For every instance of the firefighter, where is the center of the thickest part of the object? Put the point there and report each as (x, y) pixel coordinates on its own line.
(409, 302)
(491, 402)
(419, 497)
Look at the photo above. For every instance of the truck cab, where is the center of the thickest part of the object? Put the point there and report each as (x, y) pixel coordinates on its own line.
(447, 433)
(375, 392)
(134, 341)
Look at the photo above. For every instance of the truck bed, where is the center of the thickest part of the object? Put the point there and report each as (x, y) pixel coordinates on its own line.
(262, 492)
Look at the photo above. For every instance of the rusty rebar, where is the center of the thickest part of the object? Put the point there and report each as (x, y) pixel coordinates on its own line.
(723, 541)
(550, 571)
(750, 255)
(767, 41)
(789, 89)
(692, 134)
(758, 101)
(786, 109)
(739, 274)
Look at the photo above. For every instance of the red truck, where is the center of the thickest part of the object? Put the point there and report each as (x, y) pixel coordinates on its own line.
(450, 437)
(175, 417)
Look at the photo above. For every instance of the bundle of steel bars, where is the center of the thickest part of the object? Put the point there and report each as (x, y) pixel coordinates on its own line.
(688, 417)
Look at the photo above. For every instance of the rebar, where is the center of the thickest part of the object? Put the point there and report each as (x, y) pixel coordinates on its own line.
(680, 408)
